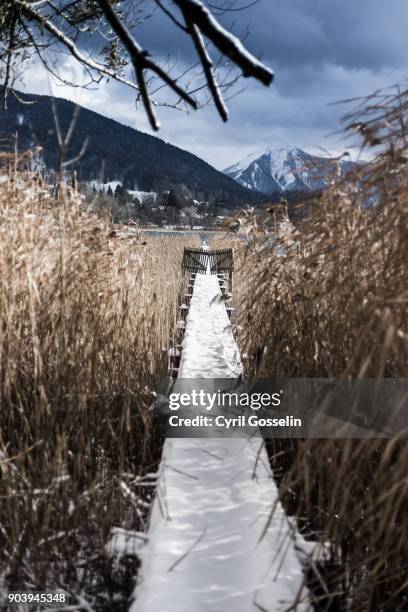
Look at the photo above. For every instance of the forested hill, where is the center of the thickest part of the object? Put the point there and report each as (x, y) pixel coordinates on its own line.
(116, 152)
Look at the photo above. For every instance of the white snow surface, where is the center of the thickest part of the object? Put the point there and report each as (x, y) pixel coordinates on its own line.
(283, 167)
(243, 163)
(209, 349)
(143, 195)
(213, 545)
(283, 163)
(100, 186)
(135, 193)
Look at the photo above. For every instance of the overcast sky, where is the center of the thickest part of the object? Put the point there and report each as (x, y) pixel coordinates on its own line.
(322, 51)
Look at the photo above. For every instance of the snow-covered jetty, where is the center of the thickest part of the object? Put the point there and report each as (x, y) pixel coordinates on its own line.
(213, 545)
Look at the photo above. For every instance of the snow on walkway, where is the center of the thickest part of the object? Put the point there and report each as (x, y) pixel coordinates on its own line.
(212, 547)
(209, 349)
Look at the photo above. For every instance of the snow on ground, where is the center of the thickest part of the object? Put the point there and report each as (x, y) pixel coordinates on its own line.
(140, 195)
(99, 186)
(213, 546)
(143, 195)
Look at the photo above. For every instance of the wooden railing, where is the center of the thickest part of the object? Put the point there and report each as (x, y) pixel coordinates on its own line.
(216, 261)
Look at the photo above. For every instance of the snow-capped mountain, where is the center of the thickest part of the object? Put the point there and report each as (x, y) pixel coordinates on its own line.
(285, 168)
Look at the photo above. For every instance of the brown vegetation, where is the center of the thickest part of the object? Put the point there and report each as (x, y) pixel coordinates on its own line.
(328, 298)
(86, 313)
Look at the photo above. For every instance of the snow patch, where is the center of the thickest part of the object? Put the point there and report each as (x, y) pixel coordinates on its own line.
(284, 168)
(103, 187)
(143, 195)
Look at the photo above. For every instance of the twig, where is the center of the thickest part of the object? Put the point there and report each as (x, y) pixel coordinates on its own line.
(183, 556)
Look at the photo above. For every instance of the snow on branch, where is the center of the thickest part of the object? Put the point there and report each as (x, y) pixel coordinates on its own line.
(141, 62)
(199, 24)
(29, 12)
(225, 42)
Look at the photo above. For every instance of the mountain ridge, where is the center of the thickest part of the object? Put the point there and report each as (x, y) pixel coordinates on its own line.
(285, 168)
(117, 152)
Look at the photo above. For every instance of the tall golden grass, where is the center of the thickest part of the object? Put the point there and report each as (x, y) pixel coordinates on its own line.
(327, 297)
(87, 310)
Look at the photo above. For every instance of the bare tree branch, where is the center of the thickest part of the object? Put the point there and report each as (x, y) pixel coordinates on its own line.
(170, 15)
(207, 65)
(65, 23)
(9, 56)
(29, 12)
(142, 62)
(228, 44)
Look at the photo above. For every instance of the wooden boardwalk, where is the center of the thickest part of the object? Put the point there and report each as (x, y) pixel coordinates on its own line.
(213, 546)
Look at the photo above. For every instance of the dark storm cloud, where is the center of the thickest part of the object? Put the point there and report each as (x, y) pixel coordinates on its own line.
(351, 33)
(322, 51)
(291, 33)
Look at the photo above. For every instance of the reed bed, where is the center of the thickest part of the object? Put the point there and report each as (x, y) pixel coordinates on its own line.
(87, 311)
(327, 297)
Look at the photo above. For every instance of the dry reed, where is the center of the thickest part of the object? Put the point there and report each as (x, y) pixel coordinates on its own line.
(87, 310)
(327, 297)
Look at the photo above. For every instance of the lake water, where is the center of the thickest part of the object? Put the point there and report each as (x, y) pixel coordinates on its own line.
(202, 234)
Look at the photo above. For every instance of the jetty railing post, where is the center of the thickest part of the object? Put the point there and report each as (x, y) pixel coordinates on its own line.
(216, 260)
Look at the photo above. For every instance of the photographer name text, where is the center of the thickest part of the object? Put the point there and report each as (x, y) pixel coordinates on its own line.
(232, 423)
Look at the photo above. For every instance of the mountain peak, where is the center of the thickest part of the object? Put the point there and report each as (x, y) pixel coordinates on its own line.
(284, 168)
(277, 148)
